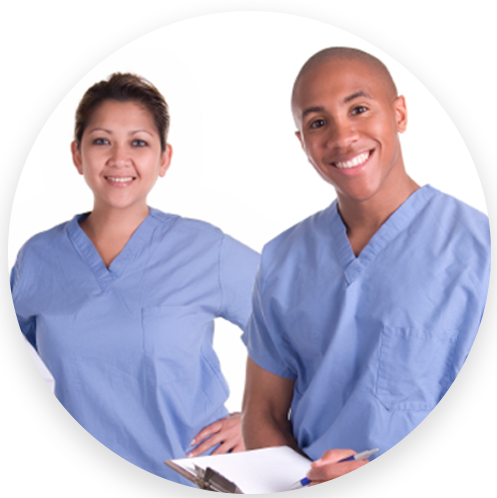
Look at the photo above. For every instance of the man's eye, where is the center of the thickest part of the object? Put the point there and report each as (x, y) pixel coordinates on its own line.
(139, 143)
(318, 123)
(100, 141)
(359, 109)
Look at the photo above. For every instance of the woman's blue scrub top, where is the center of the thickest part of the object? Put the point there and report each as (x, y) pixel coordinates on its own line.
(130, 347)
(373, 342)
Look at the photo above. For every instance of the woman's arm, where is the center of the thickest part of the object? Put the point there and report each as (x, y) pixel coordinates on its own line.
(47, 476)
(262, 428)
(226, 432)
(455, 467)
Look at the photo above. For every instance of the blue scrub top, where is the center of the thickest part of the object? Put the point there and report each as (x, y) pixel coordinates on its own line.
(130, 347)
(373, 342)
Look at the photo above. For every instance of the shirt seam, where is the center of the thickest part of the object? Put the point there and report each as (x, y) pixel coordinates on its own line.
(219, 277)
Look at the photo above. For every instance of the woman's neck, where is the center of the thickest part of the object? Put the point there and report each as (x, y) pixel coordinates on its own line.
(110, 229)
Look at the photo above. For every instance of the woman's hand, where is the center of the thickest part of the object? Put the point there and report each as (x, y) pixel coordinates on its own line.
(226, 432)
(327, 467)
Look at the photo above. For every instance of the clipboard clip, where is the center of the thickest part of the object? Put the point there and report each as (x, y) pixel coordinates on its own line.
(211, 480)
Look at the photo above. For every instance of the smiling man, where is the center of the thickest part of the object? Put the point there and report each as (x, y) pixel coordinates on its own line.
(364, 313)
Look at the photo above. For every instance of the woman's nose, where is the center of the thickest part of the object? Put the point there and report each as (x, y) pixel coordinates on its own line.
(119, 155)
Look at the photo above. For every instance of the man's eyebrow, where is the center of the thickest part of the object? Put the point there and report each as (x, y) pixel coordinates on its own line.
(310, 110)
(355, 95)
(347, 99)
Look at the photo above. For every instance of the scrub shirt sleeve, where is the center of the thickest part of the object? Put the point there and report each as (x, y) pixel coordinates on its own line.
(237, 268)
(27, 323)
(264, 337)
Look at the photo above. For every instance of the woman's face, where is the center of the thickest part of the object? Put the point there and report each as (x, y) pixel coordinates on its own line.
(120, 155)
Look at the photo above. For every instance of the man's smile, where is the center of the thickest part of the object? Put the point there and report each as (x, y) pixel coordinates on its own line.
(354, 162)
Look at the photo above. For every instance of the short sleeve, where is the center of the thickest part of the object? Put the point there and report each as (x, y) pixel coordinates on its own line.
(264, 337)
(237, 268)
(27, 323)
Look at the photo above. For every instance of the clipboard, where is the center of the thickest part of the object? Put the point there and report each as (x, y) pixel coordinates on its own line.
(207, 478)
(268, 470)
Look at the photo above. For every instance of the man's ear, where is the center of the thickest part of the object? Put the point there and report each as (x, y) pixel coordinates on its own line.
(299, 136)
(165, 160)
(76, 157)
(400, 110)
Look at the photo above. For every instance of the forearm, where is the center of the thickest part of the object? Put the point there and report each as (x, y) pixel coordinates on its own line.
(456, 466)
(47, 476)
(266, 405)
(261, 430)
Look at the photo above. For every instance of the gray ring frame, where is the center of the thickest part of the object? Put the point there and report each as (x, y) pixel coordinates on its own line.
(120, 477)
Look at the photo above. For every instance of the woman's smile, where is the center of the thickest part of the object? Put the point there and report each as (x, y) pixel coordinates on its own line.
(120, 155)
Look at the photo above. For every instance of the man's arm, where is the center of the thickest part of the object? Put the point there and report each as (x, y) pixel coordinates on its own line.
(266, 403)
(265, 423)
(47, 476)
(456, 466)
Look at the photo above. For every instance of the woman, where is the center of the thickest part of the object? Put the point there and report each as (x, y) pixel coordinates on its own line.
(120, 302)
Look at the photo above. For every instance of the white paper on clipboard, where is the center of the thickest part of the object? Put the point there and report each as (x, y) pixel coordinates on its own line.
(268, 470)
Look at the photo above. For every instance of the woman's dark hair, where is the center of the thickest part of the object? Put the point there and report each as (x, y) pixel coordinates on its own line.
(123, 87)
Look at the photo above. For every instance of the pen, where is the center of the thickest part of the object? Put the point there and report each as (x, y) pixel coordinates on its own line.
(358, 456)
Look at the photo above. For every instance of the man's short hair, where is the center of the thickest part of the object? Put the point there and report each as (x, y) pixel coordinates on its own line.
(350, 54)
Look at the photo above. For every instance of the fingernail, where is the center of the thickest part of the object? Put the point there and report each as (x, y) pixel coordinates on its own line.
(189, 455)
(192, 443)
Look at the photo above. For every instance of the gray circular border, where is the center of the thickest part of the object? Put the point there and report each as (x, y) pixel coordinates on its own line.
(119, 476)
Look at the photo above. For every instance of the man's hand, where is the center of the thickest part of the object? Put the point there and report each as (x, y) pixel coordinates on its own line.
(326, 468)
(226, 432)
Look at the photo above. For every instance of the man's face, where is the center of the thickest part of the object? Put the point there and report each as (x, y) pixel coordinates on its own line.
(348, 122)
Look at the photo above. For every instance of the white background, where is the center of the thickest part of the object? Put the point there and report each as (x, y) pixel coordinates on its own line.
(234, 147)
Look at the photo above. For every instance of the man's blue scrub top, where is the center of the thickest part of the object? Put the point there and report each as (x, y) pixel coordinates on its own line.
(130, 347)
(373, 342)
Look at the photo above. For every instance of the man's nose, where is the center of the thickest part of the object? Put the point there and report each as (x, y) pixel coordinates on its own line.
(341, 134)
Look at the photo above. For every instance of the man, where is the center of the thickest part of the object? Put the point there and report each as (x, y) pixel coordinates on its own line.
(364, 313)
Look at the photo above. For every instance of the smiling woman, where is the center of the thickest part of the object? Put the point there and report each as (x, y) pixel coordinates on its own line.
(120, 302)
(120, 156)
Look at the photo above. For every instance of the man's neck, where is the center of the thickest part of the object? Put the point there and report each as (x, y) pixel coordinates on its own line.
(364, 218)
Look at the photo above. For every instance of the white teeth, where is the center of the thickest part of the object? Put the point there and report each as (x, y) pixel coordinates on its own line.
(356, 161)
(120, 179)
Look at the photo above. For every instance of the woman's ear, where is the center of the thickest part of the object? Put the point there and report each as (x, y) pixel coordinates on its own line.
(76, 157)
(165, 160)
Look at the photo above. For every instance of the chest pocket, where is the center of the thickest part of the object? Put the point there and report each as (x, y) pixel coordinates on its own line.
(414, 367)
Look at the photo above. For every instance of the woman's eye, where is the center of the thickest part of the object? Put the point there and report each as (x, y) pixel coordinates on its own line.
(318, 123)
(100, 141)
(359, 109)
(139, 143)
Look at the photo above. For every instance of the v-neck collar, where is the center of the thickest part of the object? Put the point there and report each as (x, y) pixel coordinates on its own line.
(84, 246)
(353, 266)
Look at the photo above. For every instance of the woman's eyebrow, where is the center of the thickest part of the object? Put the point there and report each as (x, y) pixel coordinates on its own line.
(139, 131)
(99, 129)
